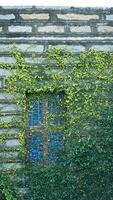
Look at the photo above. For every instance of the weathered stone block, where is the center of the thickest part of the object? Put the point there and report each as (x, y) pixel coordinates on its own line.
(35, 60)
(103, 47)
(50, 29)
(7, 60)
(30, 48)
(80, 29)
(73, 48)
(9, 131)
(9, 155)
(1, 29)
(109, 17)
(105, 29)
(6, 118)
(39, 16)
(4, 48)
(4, 72)
(4, 108)
(6, 96)
(72, 16)
(12, 143)
(7, 17)
(20, 29)
(16, 7)
(23, 47)
(8, 166)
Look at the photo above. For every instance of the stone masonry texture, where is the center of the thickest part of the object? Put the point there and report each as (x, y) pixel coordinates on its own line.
(34, 30)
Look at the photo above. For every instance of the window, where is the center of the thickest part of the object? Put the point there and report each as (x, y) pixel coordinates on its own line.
(46, 125)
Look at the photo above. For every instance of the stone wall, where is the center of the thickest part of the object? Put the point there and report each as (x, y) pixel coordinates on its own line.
(36, 29)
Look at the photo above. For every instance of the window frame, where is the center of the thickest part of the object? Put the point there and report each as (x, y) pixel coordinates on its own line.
(44, 129)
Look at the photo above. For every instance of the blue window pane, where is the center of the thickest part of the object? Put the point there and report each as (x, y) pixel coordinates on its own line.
(54, 144)
(36, 114)
(55, 109)
(36, 147)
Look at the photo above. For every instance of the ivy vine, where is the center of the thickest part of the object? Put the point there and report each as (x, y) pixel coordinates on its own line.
(84, 169)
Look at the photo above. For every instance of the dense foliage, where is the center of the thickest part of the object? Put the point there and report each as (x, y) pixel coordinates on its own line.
(84, 169)
(7, 191)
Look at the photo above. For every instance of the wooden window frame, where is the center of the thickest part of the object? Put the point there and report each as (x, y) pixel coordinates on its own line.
(43, 129)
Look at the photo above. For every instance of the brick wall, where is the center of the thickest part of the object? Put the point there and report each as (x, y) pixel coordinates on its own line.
(34, 30)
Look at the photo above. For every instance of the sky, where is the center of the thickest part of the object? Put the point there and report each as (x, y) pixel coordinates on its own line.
(74, 3)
